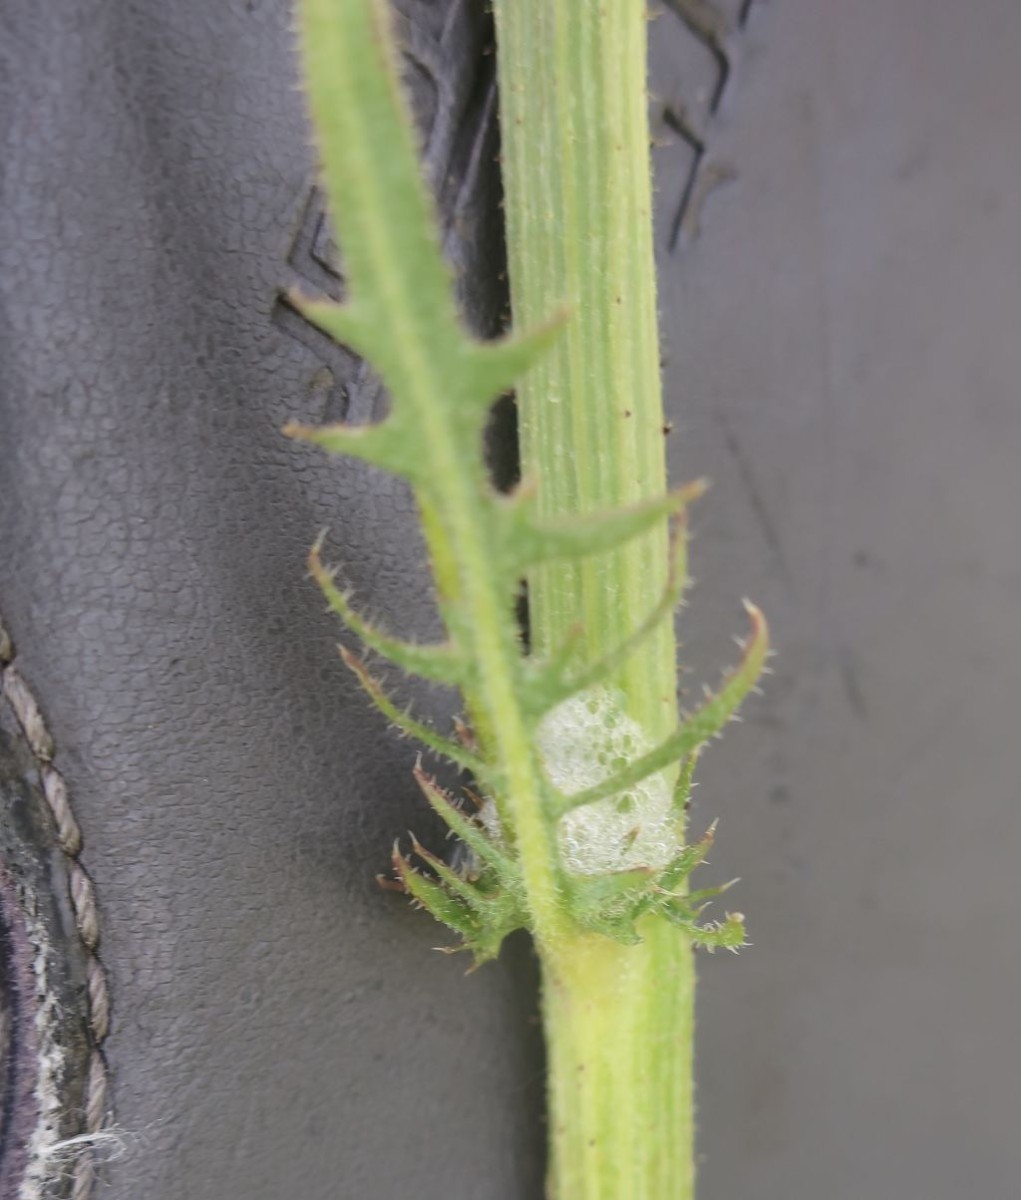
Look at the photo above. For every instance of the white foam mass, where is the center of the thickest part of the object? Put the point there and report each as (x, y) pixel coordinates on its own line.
(582, 742)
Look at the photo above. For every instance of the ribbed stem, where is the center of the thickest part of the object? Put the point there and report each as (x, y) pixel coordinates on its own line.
(576, 171)
(578, 209)
(619, 1033)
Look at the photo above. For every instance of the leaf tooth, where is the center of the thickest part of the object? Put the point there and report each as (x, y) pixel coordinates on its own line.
(465, 735)
(396, 884)
(709, 893)
(441, 663)
(689, 858)
(704, 723)
(528, 541)
(451, 880)
(386, 444)
(685, 784)
(428, 736)
(447, 909)
(729, 934)
(555, 683)
(492, 368)
(345, 323)
(466, 829)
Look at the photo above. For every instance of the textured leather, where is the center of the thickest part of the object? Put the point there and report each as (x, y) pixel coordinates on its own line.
(842, 359)
(281, 1027)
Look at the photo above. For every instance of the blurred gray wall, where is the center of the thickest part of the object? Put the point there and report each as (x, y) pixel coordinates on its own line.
(844, 343)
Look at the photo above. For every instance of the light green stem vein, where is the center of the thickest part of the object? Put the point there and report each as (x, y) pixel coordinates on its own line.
(578, 207)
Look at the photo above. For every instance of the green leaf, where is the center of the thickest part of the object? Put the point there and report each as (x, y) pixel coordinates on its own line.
(401, 318)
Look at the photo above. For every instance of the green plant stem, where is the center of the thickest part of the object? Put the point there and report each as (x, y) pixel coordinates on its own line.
(578, 207)
(618, 1025)
(612, 931)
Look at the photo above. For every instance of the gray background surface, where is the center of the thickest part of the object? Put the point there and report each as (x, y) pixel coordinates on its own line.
(843, 361)
(845, 364)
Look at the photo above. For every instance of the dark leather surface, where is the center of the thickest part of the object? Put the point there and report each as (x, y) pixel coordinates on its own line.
(842, 359)
(281, 1027)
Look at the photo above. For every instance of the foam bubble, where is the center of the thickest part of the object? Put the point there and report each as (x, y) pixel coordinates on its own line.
(582, 742)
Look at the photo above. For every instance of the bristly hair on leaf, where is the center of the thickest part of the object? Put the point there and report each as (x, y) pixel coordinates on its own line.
(401, 317)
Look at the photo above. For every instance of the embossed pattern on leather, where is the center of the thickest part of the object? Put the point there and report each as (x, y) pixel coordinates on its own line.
(281, 1027)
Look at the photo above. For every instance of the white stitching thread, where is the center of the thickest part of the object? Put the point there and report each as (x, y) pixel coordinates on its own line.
(83, 902)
